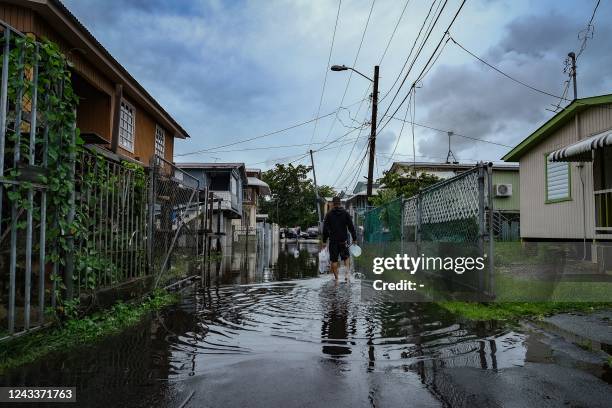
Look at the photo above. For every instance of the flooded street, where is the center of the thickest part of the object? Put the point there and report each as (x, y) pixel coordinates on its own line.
(269, 331)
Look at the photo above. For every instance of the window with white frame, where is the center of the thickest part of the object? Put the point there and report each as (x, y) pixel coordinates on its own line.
(557, 181)
(160, 141)
(127, 125)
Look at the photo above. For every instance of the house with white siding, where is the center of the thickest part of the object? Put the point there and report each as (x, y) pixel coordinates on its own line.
(566, 176)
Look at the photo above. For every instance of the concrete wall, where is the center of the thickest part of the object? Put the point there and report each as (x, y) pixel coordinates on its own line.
(561, 220)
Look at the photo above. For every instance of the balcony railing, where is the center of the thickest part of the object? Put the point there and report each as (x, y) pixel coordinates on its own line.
(230, 201)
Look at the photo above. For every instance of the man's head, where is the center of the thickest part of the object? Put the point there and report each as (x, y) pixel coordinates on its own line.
(336, 202)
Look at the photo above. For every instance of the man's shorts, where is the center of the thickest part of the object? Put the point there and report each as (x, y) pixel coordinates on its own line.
(338, 249)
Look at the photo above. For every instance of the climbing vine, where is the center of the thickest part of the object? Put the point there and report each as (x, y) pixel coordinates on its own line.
(57, 147)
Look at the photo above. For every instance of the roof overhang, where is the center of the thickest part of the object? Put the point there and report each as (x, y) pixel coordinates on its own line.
(582, 151)
(554, 124)
(69, 27)
(261, 185)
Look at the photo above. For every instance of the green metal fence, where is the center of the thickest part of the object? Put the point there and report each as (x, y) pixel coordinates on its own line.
(384, 223)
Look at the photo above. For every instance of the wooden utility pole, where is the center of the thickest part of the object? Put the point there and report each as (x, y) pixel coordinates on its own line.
(314, 176)
(373, 132)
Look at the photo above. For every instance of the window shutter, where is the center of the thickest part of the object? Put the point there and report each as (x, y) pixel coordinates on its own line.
(557, 180)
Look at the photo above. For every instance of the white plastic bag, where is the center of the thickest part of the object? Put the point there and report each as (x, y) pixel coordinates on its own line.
(323, 260)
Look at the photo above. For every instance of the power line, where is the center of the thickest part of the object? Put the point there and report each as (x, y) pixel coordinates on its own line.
(587, 32)
(399, 75)
(503, 73)
(331, 48)
(420, 76)
(437, 157)
(264, 135)
(446, 131)
(248, 149)
(348, 82)
(297, 157)
(404, 121)
(349, 155)
(430, 29)
(393, 33)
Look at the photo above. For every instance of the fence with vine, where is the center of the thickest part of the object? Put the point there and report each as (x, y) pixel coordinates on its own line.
(72, 220)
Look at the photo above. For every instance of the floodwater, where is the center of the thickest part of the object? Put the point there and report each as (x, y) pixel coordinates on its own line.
(268, 331)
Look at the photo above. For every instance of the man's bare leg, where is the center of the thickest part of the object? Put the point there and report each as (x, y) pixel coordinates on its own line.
(334, 269)
(347, 269)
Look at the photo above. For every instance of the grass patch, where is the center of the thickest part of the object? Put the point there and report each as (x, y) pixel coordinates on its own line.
(75, 332)
(516, 310)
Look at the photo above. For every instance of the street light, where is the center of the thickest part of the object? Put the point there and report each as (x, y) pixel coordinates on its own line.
(337, 68)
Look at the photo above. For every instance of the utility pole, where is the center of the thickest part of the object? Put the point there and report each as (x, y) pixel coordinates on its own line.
(373, 131)
(314, 176)
(450, 152)
(572, 57)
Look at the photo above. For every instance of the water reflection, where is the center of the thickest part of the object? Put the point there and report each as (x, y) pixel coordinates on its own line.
(263, 262)
(338, 323)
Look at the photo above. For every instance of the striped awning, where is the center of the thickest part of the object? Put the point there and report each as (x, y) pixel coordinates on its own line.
(581, 151)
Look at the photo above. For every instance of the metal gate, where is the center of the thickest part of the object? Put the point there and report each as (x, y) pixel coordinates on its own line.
(177, 213)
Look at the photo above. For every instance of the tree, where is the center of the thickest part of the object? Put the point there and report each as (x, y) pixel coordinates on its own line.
(406, 185)
(293, 200)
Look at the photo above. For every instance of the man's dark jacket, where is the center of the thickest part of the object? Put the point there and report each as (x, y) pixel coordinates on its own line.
(337, 224)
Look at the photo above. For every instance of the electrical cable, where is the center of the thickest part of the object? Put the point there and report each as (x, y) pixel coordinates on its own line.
(533, 88)
(331, 48)
(211, 149)
(348, 82)
(419, 77)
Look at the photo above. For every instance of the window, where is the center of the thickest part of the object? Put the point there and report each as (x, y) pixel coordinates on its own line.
(160, 141)
(557, 181)
(127, 124)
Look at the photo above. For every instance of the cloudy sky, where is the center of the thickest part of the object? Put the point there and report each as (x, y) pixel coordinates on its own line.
(230, 70)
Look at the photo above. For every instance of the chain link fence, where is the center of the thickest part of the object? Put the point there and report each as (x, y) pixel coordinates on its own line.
(177, 212)
(453, 217)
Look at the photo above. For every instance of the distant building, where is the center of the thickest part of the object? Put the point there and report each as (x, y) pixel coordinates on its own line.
(227, 181)
(506, 199)
(356, 203)
(254, 191)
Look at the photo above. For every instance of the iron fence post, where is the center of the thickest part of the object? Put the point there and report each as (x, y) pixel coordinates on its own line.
(71, 213)
(419, 215)
(3, 107)
(30, 209)
(402, 224)
(151, 214)
(491, 256)
(481, 220)
(43, 228)
(14, 214)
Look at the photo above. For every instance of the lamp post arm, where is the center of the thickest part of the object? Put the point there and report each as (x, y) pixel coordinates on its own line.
(365, 76)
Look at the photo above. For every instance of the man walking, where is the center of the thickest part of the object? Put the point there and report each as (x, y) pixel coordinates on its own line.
(336, 227)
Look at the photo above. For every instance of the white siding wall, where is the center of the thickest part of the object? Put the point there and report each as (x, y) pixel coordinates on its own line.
(562, 220)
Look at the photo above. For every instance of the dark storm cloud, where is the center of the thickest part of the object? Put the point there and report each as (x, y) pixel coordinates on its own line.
(474, 100)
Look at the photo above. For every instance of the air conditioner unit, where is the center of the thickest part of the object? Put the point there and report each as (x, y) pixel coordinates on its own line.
(503, 190)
